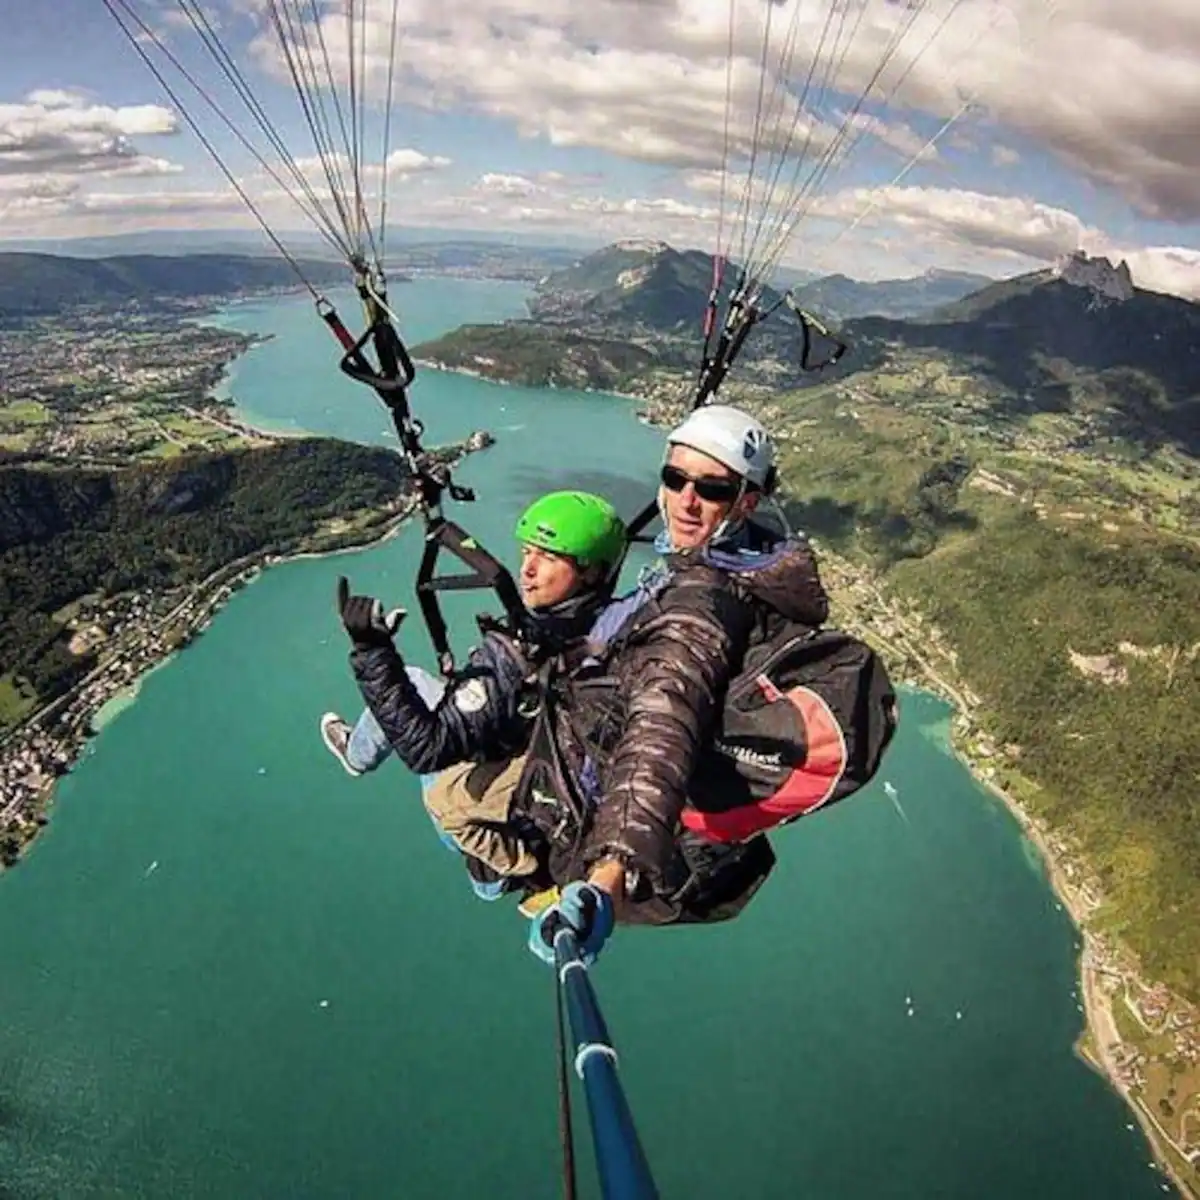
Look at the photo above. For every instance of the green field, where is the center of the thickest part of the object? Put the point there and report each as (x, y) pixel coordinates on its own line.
(138, 428)
(17, 700)
(1082, 559)
(23, 412)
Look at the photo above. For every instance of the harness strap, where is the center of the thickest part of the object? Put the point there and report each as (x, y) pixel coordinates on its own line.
(638, 524)
(390, 382)
(485, 572)
(807, 324)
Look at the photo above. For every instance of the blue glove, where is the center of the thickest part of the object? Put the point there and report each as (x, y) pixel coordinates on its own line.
(586, 909)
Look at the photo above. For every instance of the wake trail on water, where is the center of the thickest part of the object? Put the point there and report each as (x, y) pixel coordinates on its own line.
(894, 796)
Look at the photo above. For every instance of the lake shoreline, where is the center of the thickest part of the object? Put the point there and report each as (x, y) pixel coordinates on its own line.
(1100, 960)
(1097, 999)
(1104, 967)
(47, 744)
(52, 752)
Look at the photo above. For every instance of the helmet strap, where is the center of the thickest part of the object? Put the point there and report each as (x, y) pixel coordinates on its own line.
(727, 526)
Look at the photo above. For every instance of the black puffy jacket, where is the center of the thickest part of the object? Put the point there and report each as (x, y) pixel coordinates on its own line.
(482, 715)
(621, 734)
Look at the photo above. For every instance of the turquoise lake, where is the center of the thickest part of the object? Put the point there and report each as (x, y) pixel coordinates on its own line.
(229, 970)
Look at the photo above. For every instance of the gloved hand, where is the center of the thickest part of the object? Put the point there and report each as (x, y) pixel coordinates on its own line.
(586, 909)
(364, 618)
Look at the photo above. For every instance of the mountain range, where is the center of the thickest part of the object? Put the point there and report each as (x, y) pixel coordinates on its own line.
(304, 242)
(639, 283)
(652, 284)
(1133, 366)
(44, 284)
(1051, 341)
(839, 298)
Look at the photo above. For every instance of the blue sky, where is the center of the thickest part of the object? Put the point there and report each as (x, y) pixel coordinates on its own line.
(557, 119)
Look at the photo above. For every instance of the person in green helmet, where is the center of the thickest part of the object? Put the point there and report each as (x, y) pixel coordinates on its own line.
(466, 735)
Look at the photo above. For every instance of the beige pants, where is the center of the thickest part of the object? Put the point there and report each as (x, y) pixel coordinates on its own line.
(470, 802)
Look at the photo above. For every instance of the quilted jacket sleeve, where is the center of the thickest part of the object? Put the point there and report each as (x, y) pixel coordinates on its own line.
(478, 717)
(675, 672)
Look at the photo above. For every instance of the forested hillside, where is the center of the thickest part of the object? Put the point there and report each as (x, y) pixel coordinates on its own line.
(67, 532)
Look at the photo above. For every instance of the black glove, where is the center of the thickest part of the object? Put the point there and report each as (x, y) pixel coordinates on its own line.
(364, 618)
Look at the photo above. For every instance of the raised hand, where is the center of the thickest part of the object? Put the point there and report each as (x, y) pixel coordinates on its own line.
(364, 617)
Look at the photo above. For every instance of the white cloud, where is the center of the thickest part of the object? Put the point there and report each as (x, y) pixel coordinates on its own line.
(1010, 231)
(645, 81)
(54, 98)
(407, 161)
(507, 185)
(58, 132)
(148, 203)
(561, 206)
(901, 138)
(1113, 90)
(32, 199)
(1171, 269)
(660, 205)
(1009, 224)
(1004, 156)
(401, 164)
(1109, 87)
(178, 18)
(54, 206)
(56, 146)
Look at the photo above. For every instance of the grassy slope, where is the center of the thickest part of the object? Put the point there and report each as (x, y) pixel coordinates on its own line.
(1018, 582)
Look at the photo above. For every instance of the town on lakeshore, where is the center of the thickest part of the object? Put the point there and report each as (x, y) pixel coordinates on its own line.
(109, 387)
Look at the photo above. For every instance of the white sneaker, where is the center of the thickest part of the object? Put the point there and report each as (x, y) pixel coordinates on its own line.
(335, 733)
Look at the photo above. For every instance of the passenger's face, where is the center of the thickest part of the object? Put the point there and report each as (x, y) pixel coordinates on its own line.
(547, 578)
(692, 518)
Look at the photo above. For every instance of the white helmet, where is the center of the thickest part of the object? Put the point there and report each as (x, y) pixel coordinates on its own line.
(733, 438)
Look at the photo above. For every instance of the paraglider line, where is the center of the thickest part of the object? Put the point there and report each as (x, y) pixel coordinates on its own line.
(212, 42)
(387, 137)
(311, 104)
(241, 191)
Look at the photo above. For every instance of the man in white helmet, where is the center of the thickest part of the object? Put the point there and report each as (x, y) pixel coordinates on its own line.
(719, 463)
(619, 745)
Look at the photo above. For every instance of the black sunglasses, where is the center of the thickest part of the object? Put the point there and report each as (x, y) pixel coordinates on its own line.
(716, 489)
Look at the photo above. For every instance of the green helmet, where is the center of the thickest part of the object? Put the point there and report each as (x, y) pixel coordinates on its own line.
(578, 525)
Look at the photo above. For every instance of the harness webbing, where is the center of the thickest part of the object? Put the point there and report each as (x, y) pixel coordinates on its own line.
(433, 478)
